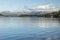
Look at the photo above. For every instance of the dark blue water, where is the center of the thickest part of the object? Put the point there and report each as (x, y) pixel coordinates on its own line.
(28, 28)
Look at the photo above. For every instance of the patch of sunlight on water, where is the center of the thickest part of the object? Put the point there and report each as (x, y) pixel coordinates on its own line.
(47, 24)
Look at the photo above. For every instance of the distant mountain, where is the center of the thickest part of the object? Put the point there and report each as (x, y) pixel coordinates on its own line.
(36, 12)
(30, 12)
(8, 13)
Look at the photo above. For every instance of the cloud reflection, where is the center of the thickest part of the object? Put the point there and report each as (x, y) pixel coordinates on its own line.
(49, 23)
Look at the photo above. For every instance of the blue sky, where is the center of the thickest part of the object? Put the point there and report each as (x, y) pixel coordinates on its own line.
(16, 5)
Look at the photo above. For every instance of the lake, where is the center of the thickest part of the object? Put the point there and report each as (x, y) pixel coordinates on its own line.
(29, 28)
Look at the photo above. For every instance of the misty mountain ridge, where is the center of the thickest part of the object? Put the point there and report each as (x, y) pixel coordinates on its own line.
(42, 9)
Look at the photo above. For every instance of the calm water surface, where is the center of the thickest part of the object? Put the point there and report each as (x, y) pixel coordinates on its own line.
(29, 28)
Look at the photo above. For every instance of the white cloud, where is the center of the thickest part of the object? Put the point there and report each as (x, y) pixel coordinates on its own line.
(49, 7)
(42, 7)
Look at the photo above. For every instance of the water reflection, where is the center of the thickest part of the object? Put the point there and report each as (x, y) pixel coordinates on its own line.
(29, 28)
(48, 23)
